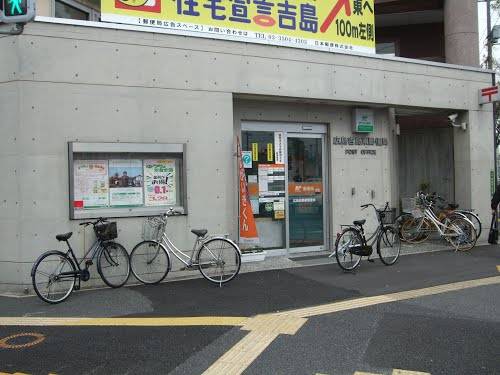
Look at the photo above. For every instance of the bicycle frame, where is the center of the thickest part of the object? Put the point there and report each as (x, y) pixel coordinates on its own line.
(178, 253)
(93, 250)
(375, 236)
(430, 215)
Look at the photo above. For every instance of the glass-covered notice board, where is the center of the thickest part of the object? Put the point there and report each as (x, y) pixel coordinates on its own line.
(125, 179)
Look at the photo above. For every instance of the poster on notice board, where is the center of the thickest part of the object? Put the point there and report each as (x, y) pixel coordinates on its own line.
(125, 183)
(159, 181)
(91, 184)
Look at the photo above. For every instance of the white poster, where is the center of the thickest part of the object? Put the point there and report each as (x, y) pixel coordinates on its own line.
(126, 183)
(279, 148)
(159, 182)
(91, 188)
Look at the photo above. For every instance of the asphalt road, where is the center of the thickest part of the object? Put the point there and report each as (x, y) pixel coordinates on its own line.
(450, 333)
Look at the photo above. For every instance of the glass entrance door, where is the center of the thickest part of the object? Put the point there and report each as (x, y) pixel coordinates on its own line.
(306, 214)
(285, 169)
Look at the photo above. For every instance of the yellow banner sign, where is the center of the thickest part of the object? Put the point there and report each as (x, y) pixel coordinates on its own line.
(329, 25)
(255, 152)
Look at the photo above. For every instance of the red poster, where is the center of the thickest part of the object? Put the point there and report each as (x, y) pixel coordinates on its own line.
(248, 229)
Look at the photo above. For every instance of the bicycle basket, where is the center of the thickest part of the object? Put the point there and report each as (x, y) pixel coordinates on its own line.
(388, 216)
(152, 228)
(106, 231)
(413, 206)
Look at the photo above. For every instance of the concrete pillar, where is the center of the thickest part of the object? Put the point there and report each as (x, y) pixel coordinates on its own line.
(461, 32)
(474, 162)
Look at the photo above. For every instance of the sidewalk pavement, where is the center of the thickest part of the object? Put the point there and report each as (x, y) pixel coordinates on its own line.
(285, 284)
(271, 262)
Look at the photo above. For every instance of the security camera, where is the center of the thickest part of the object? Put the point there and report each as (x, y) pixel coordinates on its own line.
(453, 117)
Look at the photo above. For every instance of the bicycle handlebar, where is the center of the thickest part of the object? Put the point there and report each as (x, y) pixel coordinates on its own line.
(94, 223)
(363, 206)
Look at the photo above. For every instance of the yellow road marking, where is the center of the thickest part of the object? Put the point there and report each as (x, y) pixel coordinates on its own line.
(5, 342)
(498, 268)
(123, 322)
(406, 372)
(263, 332)
(263, 328)
(387, 298)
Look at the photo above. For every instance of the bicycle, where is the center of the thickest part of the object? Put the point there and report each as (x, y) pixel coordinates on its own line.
(150, 259)
(406, 220)
(57, 271)
(351, 244)
(457, 229)
(451, 208)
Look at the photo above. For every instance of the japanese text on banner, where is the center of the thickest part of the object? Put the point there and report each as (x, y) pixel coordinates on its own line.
(327, 25)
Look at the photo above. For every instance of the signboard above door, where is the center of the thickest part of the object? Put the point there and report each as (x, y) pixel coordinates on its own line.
(363, 120)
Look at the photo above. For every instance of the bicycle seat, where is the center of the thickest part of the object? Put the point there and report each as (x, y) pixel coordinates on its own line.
(359, 222)
(453, 206)
(64, 237)
(199, 232)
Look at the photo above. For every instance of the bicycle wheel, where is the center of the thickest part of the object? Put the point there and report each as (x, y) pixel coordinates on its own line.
(474, 218)
(113, 264)
(416, 230)
(219, 260)
(389, 246)
(149, 262)
(53, 277)
(461, 234)
(345, 258)
(400, 220)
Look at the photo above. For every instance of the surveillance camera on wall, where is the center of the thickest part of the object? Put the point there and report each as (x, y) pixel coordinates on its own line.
(453, 117)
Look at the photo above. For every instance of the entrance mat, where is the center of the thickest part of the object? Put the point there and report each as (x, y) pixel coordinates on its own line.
(309, 257)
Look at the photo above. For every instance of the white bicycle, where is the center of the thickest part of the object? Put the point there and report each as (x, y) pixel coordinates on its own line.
(217, 258)
(457, 229)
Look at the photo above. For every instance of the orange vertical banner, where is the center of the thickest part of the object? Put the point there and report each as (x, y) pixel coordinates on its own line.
(248, 229)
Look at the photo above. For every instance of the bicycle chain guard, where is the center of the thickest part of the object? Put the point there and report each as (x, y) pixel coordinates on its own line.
(361, 250)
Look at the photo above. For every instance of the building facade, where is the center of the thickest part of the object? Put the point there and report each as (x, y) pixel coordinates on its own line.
(125, 98)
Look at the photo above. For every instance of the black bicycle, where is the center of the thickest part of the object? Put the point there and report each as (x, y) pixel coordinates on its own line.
(55, 273)
(351, 244)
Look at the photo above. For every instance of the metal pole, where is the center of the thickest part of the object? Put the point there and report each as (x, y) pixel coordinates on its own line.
(488, 38)
(493, 83)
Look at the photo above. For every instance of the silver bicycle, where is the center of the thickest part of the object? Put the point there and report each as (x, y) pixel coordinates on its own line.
(217, 258)
(457, 229)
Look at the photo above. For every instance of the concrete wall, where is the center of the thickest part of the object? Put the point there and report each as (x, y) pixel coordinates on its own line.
(72, 83)
(364, 173)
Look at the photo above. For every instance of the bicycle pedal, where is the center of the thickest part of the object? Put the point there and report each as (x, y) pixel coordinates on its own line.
(77, 287)
(88, 263)
(371, 260)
